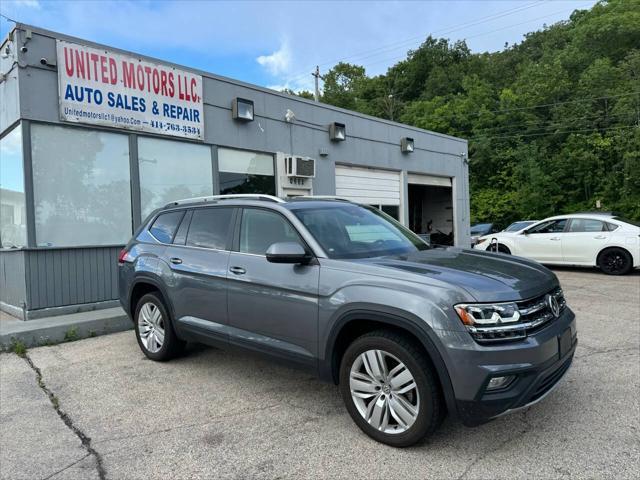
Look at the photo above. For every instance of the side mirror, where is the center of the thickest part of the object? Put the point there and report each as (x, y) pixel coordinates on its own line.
(287, 252)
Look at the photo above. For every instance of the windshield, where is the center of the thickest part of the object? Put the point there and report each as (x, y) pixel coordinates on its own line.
(517, 226)
(626, 220)
(480, 228)
(354, 231)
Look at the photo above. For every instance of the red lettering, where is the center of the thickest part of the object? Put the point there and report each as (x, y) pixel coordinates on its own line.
(140, 76)
(148, 72)
(80, 64)
(88, 67)
(156, 80)
(163, 82)
(128, 72)
(113, 71)
(172, 88)
(103, 69)
(68, 62)
(194, 90)
(94, 59)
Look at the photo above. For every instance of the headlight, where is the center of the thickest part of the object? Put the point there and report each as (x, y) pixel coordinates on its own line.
(481, 240)
(492, 322)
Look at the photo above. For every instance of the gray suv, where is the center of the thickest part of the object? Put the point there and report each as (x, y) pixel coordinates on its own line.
(409, 332)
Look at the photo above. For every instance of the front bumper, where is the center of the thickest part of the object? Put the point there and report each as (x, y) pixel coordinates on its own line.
(538, 363)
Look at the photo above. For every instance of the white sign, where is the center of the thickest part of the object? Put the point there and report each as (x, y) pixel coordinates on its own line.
(114, 90)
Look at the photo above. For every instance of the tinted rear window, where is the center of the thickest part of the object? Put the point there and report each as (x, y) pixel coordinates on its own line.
(209, 228)
(165, 226)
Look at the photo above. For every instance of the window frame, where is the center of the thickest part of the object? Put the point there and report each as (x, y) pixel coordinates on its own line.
(230, 232)
(603, 228)
(167, 212)
(27, 145)
(235, 247)
(548, 222)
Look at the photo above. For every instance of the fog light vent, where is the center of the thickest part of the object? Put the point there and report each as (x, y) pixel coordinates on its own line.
(497, 383)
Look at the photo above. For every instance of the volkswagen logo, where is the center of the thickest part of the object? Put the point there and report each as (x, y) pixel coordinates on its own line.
(552, 301)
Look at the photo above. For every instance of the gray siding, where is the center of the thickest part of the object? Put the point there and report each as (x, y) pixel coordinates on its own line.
(12, 277)
(59, 277)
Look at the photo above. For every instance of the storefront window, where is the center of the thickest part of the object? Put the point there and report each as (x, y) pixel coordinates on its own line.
(171, 170)
(13, 230)
(245, 172)
(81, 186)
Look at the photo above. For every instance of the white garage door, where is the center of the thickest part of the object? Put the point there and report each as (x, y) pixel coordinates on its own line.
(368, 186)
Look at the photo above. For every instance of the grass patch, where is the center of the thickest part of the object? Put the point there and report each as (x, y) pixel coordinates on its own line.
(71, 335)
(18, 347)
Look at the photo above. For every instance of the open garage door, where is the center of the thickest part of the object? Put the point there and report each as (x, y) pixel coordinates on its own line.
(378, 188)
(431, 208)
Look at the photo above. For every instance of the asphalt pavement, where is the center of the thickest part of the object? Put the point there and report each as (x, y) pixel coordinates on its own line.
(97, 408)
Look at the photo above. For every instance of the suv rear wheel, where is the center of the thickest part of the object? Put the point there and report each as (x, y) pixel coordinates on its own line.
(389, 389)
(154, 331)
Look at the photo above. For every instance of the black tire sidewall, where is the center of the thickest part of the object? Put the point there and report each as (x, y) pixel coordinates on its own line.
(170, 343)
(425, 422)
(626, 255)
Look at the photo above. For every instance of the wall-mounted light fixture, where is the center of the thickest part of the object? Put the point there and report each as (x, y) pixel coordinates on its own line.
(242, 109)
(406, 145)
(337, 132)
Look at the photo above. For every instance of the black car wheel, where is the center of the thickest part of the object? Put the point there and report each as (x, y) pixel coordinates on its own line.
(615, 261)
(389, 389)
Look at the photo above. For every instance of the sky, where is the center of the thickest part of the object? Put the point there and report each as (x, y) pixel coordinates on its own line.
(277, 44)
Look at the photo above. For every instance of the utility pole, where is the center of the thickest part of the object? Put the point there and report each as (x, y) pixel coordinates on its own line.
(316, 74)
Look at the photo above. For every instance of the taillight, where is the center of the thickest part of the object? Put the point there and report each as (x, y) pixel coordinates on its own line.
(123, 256)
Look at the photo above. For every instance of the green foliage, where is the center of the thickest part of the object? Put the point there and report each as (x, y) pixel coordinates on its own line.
(71, 335)
(18, 347)
(553, 123)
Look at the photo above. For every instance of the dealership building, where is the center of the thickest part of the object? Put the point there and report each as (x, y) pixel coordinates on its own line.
(95, 138)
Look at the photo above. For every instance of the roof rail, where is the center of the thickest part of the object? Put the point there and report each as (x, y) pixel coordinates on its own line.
(322, 197)
(235, 196)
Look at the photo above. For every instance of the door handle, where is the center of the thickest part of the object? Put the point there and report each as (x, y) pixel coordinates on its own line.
(237, 270)
(175, 260)
(600, 237)
(554, 238)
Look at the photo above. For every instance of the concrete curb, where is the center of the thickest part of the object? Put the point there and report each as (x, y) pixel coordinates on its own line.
(61, 328)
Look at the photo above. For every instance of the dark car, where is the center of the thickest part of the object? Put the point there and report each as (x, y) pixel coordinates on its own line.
(409, 332)
(480, 230)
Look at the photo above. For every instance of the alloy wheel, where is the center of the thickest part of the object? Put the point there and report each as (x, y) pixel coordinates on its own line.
(614, 262)
(151, 327)
(384, 391)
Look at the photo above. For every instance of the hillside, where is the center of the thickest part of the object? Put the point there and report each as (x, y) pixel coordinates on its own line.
(553, 122)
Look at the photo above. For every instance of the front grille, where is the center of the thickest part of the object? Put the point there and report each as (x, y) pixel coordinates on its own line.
(535, 314)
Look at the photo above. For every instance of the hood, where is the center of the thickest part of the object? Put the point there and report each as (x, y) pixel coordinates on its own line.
(488, 277)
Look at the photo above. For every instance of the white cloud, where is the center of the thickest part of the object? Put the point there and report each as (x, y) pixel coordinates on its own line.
(27, 3)
(279, 62)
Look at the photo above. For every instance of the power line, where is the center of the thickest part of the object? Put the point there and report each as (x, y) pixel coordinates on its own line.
(554, 133)
(402, 43)
(545, 123)
(396, 58)
(480, 112)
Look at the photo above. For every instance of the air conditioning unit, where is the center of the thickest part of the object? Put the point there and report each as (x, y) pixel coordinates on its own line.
(302, 167)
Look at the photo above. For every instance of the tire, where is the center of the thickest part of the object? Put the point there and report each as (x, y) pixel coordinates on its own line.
(615, 261)
(386, 399)
(158, 340)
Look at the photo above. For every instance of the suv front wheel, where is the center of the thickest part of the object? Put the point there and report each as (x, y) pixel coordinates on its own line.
(390, 389)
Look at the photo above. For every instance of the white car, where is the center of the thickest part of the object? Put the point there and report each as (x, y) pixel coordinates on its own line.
(607, 241)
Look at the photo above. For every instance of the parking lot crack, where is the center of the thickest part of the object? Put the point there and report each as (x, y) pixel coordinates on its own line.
(478, 458)
(84, 439)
